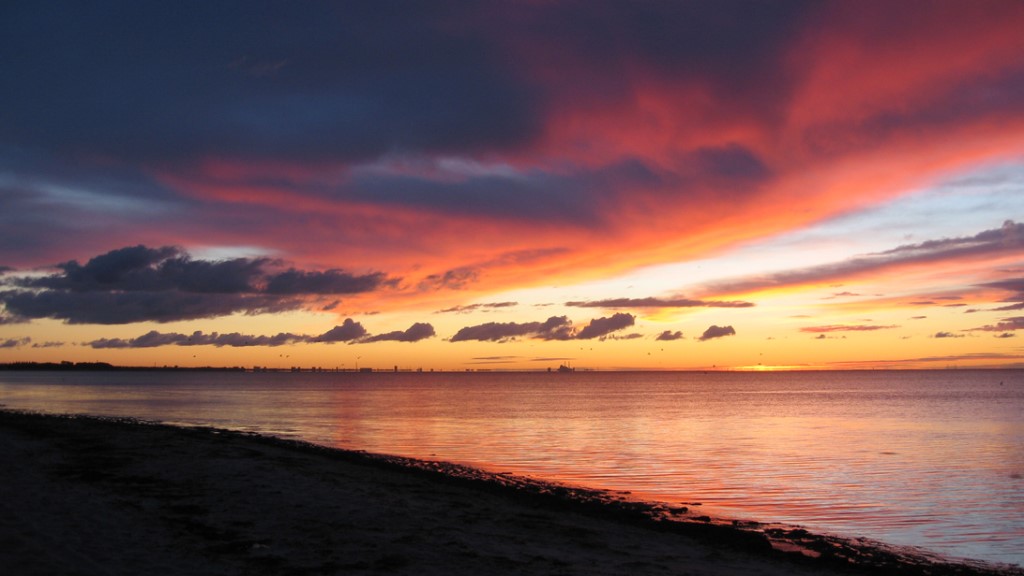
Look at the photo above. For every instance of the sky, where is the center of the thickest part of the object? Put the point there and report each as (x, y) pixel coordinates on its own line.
(454, 185)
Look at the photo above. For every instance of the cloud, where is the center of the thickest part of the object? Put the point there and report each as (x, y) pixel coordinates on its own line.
(476, 307)
(429, 137)
(947, 335)
(840, 295)
(244, 101)
(554, 328)
(295, 281)
(138, 268)
(630, 336)
(15, 342)
(137, 284)
(1006, 335)
(1007, 239)
(6, 319)
(1010, 284)
(1004, 325)
(657, 303)
(845, 328)
(599, 327)
(717, 332)
(348, 331)
(49, 344)
(975, 356)
(455, 279)
(155, 339)
(668, 336)
(415, 333)
(128, 307)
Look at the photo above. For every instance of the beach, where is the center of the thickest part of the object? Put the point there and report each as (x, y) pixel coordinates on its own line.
(90, 495)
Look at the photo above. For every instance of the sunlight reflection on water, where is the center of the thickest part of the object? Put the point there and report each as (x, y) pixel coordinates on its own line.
(931, 459)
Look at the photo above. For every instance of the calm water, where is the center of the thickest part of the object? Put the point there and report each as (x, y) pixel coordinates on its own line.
(930, 459)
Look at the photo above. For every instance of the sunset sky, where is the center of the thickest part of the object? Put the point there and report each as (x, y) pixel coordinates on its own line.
(513, 185)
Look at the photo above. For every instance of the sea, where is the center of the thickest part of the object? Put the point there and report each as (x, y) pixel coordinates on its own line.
(928, 459)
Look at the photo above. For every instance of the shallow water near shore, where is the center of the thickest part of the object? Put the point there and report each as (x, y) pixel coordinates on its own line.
(930, 459)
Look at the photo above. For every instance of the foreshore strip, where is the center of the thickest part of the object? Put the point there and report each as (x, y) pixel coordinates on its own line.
(94, 495)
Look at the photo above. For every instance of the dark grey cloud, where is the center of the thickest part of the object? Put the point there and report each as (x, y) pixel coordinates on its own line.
(599, 327)
(348, 331)
(295, 281)
(154, 339)
(730, 162)
(1009, 238)
(658, 303)
(136, 284)
(139, 306)
(320, 81)
(554, 328)
(668, 336)
(1006, 335)
(150, 339)
(943, 334)
(714, 331)
(415, 333)
(578, 197)
(15, 342)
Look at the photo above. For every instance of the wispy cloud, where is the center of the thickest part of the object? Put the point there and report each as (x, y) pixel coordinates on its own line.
(845, 328)
(1007, 239)
(1004, 325)
(15, 342)
(644, 303)
(467, 308)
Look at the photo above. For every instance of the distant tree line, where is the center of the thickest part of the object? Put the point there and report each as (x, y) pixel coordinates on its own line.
(104, 366)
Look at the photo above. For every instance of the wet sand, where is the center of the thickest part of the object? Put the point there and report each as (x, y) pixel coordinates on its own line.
(86, 495)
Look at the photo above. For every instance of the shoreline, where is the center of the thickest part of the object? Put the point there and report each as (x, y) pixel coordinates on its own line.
(100, 366)
(127, 495)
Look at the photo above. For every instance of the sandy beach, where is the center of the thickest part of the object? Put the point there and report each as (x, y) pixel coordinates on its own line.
(85, 495)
